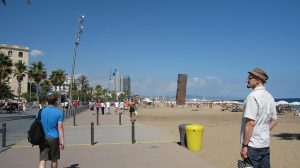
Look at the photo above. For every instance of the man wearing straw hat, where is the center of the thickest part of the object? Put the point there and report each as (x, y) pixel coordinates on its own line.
(259, 118)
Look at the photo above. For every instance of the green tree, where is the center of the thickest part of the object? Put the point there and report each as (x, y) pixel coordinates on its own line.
(5, 91)
(20, 72)
(5, 67)
(122, 96)
(45, 87)
(83, 84)
(57, 78)
(37, 72)
(106, 95)
(98, 93)
(5, 70)
(114, 95)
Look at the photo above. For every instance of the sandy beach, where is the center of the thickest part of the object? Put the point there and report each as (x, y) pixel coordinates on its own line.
(221, 133)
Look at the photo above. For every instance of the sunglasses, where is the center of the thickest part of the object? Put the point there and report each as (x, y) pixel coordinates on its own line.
(251, 77)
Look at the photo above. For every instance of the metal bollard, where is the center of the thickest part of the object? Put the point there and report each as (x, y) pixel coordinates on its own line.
(132, 132)
(97, 117)
(120, 118)
(92, 133)
(3, 134)
(74, 117)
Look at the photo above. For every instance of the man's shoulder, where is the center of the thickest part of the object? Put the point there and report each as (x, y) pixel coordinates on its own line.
(52, 110)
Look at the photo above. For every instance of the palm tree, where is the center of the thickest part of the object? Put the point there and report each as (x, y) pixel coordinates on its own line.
(83, 83)
(98, 92)
(5, 70)
(20, 72)
(38, 73)
(57, 78)
(45, 87)
(5, 67)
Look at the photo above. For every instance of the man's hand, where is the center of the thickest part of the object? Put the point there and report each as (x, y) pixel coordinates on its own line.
(244, 151)
(62, 145)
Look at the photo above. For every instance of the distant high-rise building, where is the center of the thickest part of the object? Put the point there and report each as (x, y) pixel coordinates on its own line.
(16, 53)
(118, 83)
(126, 84)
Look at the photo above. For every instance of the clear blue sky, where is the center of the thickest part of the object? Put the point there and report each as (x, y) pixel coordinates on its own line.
(215, 42)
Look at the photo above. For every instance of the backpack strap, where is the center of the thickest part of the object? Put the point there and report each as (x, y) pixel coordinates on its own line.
(40, 115)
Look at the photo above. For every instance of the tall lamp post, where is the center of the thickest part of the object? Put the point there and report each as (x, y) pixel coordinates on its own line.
(30, 81)
(77, 40)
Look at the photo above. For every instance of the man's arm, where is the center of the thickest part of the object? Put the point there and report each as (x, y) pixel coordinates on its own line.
(272, 124)
(248, 131)
(61, 134)
(246, 137)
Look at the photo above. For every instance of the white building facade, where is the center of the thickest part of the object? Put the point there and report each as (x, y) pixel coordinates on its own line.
(16, 53)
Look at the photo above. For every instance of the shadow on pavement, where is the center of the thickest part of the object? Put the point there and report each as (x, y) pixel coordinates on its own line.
(288, 136)
(73, 166)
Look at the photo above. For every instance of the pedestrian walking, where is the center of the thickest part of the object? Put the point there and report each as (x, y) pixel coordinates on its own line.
(116, 108)
(52, 121)
(121, 106)
(108, 107)
(132, 108)
(102, 107)
(98, 105)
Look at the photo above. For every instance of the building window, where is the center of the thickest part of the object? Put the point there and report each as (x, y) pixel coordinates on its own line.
(9, 53)
(20, 54)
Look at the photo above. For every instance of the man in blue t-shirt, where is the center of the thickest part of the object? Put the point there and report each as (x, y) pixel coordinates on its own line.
(52, 121)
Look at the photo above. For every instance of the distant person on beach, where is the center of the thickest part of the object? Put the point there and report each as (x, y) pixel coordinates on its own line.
(52, 121)
(116, 108)
(259, 118)
(98, 105)
(102, 107)
(108, 107)
(121, 106)
(132, 108)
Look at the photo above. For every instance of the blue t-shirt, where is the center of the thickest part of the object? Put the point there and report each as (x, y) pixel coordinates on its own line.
(50, 117)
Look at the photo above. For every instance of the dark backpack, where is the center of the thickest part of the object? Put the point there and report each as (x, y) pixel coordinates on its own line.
(36, 134)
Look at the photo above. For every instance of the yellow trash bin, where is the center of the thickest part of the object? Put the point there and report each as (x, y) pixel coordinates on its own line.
(194, 135)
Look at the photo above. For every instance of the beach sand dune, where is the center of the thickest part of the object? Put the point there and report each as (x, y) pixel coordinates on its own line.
(221, 133)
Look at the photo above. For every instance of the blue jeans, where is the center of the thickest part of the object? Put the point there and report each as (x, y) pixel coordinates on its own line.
(259, 157)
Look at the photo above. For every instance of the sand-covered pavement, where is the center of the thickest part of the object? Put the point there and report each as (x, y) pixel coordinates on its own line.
(221, 133)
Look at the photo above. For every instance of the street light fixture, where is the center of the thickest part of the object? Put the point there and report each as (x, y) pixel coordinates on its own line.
(77, 41)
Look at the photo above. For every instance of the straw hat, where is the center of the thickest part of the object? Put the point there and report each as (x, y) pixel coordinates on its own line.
(259, 73)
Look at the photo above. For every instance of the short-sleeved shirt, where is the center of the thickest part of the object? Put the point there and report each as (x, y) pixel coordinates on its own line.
(117, 104)
(121, 106)
(108, 104)
(260, 107)
(50, 118)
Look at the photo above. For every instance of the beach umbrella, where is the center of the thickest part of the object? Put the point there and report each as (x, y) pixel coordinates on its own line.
(295, 104)
(282, 102)
(236, 102)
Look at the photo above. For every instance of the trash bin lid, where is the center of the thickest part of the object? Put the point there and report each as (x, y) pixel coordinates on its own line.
(182, 126)
(194, 127)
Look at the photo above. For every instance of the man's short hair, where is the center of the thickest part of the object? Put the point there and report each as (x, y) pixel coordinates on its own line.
(52, 98)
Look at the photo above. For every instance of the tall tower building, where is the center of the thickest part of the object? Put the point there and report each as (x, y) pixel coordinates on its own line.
(16, 53)
(126, 84)
(181, 89)
(118, 83)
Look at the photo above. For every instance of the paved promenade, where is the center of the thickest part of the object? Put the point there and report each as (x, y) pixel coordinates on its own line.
(113, 147)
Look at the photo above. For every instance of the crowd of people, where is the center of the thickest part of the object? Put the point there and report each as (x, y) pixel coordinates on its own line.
(11, 106)
(115, 106)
